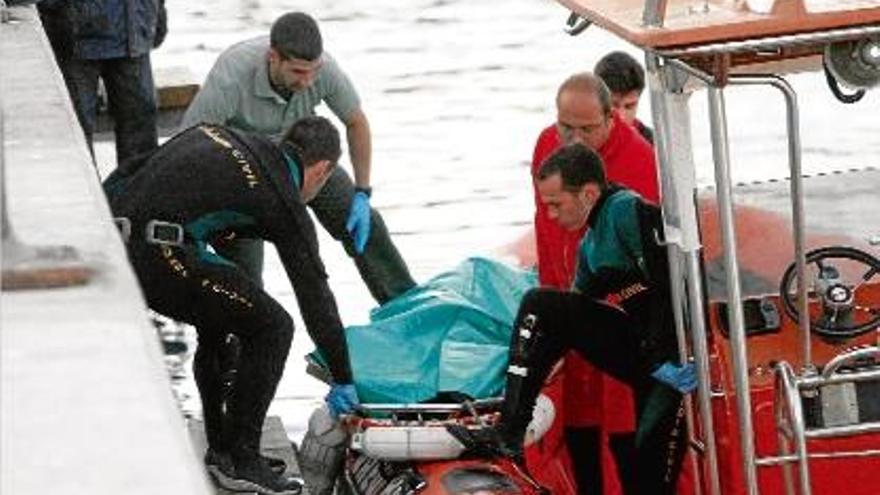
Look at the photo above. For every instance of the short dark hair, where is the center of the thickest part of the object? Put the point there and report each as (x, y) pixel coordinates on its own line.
(315, 139)
(577, 165)
(588, 83)
(621, 72)
(296, 35)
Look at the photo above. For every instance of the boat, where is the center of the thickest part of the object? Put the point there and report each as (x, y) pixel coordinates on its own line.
(777, 304)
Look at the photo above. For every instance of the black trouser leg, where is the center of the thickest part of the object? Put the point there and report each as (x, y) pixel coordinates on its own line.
(660, 439)
(530, 363)
(213, 297)
(623, 448)
(563, 321)
(81, 78)
(132, 100)
(207, 372)
(585, 448)
(264, 349)
(608, 338)
(381, 266)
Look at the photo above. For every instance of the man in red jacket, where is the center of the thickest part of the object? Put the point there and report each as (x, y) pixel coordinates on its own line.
(585, 115)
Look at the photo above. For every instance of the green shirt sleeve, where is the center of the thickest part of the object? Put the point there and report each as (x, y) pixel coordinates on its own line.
(339, 93)
(215, 103)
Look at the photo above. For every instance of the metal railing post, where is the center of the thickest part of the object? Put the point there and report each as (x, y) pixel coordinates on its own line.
(680, 224)
(654, 13)
(797, 203)
(721, 157)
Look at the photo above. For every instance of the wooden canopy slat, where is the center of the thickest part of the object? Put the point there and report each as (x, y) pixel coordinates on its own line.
(687, 24)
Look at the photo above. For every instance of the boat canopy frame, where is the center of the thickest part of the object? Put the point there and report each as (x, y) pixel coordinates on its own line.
(680, 60)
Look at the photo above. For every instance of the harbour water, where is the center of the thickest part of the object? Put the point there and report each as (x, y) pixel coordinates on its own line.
(456, 92)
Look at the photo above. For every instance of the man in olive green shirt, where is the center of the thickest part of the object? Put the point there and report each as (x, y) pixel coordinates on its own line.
(264, 85)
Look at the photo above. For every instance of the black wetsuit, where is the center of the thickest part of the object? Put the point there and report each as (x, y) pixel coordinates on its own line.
(219, 184)
(620, 261)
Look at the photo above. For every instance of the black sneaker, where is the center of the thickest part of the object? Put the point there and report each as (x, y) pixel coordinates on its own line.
(214, 459)
(253, 475)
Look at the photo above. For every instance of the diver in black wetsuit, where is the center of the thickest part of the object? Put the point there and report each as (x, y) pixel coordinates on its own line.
(618, 316)
(207, 185)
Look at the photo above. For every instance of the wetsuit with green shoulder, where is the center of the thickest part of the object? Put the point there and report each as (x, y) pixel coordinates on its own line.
(220, 184)
(618, 318)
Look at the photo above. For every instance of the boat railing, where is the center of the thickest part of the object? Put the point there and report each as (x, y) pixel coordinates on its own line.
(437, 407)
(832, 400)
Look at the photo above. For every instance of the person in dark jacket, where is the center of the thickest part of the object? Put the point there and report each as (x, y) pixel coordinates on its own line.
(618, 317)
(109, 40)
(206, 186)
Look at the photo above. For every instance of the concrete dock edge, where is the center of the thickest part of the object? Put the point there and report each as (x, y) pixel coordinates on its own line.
(85, 403)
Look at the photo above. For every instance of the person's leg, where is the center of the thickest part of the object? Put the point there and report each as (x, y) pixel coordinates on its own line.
(209, 381)
(132, 101)
(381, 267)
(213, 296)
(228, 299)
(660, 440)
(264, 331)
(81, 78)
(534, 349)
(623, 448)
(585, 448)
(559, 321)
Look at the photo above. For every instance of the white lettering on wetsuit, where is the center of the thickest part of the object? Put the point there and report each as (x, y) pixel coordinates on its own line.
(237, 155)
(627, 292)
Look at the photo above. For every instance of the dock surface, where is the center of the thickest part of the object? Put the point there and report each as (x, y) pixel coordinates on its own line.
(85, 403)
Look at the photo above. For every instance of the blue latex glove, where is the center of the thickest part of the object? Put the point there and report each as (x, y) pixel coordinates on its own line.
(680, 377)
(342, 399)
(358, 223)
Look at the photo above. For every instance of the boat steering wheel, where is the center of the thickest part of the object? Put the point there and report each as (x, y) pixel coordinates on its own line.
(837, 310)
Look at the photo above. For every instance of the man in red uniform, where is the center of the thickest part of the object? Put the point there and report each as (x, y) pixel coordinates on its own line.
(585, 115)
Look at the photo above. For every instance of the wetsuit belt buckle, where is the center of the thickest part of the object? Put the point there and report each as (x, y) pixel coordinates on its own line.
(164, 233)
(123, 224)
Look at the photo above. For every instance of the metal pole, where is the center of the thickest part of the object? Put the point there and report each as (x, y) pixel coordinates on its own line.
(797, 203)
(786, 383)
(721, 157)
(654, 13)
(679, 307)
(680, 224)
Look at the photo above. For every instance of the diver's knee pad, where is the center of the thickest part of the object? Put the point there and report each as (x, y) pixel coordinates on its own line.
(524, 338)
(517, 408)
(322, 452)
